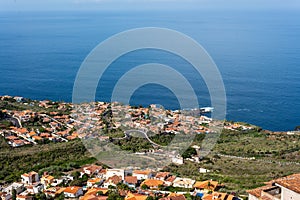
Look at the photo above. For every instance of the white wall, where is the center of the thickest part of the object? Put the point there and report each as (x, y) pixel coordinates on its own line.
(112, 172)
(287, 194)
(251, 197)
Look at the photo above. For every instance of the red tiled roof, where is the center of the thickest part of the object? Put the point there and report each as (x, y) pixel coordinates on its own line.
(131, 179)
(291, 182)
(162, 174)
(114, 179)
(152, 182)
(257, 191)
(72, 189)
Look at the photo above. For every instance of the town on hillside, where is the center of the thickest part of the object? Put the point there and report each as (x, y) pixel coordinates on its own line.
(27, 122)
(94, 182)
(30, 123)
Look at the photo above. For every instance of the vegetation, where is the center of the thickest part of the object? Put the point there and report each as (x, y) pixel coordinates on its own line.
(244, 160)
(54, 157)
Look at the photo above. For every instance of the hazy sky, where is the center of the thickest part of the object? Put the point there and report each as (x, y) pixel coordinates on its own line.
(19, 5)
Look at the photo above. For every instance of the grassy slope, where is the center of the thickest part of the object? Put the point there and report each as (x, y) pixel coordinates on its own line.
(274, 158)
(55, 157)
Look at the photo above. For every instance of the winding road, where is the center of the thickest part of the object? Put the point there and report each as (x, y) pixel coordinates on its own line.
(128, 132)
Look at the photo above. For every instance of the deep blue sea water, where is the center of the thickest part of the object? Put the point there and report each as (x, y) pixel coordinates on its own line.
(257, 52)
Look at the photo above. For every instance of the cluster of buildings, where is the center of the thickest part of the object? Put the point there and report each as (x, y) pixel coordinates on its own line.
(157, 120)
(95, 119)
(31, 126)
(140, 184)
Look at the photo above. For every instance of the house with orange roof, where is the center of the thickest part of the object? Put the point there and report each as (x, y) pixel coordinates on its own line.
(152, 183)
(93, 197)
(131, 181)
(73, 192)
(30, 178)
(113, 172)
(91, 170)
(289, 186)
(162, 176)
(135, 196)
(11, 137)
(169, 180)
(112, 181)
(53, 192)
(174, 196)
(94, 194)
(285, 188)
(21, 131)
(17, 143)
(219, 196)
(37, 138)
(45, 135)
(31, 133)
(46, 180)
(71, 137)
(142, 174)
(92, 182)
(205, 186)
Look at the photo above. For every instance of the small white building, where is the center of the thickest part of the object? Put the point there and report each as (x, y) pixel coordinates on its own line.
(178, 160)
(203, 170)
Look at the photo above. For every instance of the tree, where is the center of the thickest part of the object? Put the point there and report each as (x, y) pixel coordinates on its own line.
(122, 186)
(189, 153)
(76, 174)
(76, 183)
(14, 194)
(61, 196)
(40, 196)
(144, 187)
(114, 196)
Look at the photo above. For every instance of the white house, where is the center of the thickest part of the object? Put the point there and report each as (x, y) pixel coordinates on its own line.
(30, 178)
(73, 192)
(287, 188)
(91, 169)
(183, 182)
(94, 181)
(19, 187)
(35, 188)
(290, 187)
(115, 172)
(142, 174)
(112, 181)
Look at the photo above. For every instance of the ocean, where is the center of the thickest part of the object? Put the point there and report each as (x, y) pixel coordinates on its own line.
(257, 53)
